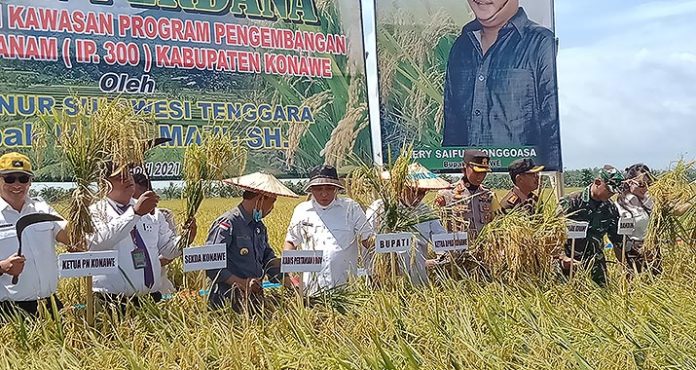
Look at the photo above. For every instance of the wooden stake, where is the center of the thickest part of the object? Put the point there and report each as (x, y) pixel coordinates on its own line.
(89, 294)
(572, 257)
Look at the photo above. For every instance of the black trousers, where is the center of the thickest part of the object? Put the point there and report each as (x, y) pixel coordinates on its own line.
(27, 307)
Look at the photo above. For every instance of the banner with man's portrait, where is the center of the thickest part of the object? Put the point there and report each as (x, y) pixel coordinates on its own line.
(460, 74)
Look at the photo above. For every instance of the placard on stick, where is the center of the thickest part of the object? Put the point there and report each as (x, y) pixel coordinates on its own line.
(209, 257)
(87, 264)
(396, 242)
(577, 229)
(450, 242)
(301, 261)
(627, 226)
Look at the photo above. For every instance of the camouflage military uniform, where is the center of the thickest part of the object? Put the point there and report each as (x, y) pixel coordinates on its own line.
(515, 199)
(603, 219)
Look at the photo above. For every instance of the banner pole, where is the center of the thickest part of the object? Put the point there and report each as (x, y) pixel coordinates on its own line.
(369, 27)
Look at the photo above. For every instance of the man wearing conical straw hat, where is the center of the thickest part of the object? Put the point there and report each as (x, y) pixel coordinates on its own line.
(419, 181)
(338, 226)
(249, 254)
(525, 177)
(38, 263)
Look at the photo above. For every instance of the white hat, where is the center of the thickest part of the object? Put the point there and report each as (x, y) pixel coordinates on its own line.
(423, 178)
(263, 183)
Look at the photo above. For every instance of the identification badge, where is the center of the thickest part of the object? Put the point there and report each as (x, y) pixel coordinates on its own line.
(139, 261)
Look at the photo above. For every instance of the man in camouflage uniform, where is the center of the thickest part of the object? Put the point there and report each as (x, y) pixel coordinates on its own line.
(468, 205)
(592, 205)
(525, 176)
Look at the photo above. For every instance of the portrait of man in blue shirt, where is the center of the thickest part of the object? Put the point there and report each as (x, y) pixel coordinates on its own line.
(501, 86)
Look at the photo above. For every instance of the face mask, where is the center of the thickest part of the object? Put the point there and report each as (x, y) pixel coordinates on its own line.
(257, 215)
(323, 207)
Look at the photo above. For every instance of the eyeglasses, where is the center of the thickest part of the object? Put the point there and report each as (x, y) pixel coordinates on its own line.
(10, 179)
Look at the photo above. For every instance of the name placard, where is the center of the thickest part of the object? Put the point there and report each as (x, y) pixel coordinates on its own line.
(577, 229)
(207, 257)
(397, 242)
(450, 242)
(87, 264)
(627, 225)
(301, 261)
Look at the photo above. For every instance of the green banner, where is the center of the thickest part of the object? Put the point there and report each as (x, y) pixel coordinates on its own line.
(285, 75)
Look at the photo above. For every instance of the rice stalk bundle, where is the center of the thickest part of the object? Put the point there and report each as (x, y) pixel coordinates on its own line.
(366, 184)
(219, 155)
(519, 245)
(671, 193)
(87, 141)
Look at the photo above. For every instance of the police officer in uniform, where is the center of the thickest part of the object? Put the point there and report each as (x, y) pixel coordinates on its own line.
(249, 254)
(468, 205)
(525, 177)
(593, 205)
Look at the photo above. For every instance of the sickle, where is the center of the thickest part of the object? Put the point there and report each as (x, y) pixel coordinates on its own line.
(26, 221)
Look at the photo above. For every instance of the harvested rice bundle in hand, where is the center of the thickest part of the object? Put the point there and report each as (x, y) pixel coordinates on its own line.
(672, 217)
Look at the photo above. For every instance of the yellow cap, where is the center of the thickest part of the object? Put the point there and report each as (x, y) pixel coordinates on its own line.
(15, 162)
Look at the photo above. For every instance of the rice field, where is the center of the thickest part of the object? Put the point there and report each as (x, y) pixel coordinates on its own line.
(647, 324)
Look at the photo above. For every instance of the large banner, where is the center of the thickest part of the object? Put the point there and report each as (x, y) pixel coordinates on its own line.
(458, 74)
(286, 75)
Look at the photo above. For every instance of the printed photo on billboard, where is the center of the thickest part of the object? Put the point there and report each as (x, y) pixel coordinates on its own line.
(459, 74)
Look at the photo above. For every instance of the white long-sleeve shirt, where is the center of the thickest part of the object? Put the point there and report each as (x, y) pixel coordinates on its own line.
(39, 278)
(113, 232)
(338, 230)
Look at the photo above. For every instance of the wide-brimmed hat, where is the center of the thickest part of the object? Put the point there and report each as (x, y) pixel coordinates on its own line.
(421, 178)
(324, 175)
(262, 183)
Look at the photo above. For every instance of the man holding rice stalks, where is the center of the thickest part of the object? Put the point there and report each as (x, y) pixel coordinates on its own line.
(139, 233)
(38, 262)
(525, 177)
(422, 219)
(142, 185)
(592, 205)
(469, 205)
(249, 254)
(338, 226)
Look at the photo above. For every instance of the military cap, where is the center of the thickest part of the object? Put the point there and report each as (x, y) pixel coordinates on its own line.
(520, 166)
(612, 177)
(478, 159)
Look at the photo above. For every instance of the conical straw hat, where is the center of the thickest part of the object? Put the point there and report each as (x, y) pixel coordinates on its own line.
(262, 183)
(424, 179)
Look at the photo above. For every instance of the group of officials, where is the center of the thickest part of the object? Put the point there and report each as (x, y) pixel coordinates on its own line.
(128, 220)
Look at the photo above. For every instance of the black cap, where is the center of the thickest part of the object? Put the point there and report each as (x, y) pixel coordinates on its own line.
(520, 166)
(479, 159)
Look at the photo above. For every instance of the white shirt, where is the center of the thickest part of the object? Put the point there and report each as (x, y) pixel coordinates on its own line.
(639, 210)
(39, 279)
(112, 232)
(413, 264)
(338, 230)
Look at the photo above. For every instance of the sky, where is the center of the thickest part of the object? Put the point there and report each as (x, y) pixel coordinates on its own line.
(627, 81)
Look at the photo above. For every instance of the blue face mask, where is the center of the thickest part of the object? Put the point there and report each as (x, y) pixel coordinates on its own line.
(257, 215)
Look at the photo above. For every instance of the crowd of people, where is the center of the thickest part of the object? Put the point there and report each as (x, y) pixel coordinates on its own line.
(129, 221)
